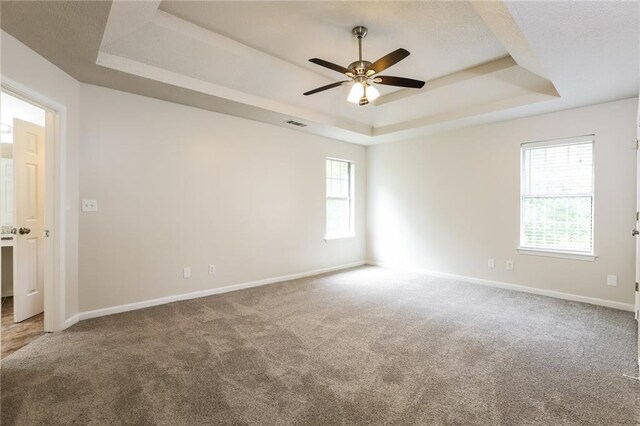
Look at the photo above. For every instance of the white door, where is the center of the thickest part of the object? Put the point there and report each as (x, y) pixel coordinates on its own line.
(28, 169)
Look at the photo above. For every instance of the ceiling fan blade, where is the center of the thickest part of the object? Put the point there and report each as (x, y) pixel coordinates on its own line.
(388, 60)
(329, 65)
(399, 81)
(327, 87)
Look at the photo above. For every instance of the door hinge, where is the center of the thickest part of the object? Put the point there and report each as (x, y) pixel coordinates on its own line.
(637, 216)
(636, 286)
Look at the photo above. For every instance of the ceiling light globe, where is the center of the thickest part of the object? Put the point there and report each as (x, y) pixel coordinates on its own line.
(372, 93)
(357, 91)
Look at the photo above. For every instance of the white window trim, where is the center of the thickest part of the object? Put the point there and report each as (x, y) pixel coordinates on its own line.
(559, 254)
(352, 202)
(562, 254)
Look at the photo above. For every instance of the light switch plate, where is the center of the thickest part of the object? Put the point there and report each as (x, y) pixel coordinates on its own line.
(89, 205)
(491, 263)
(612, 280)
(212, 269)
(186, 273)
(509, 265)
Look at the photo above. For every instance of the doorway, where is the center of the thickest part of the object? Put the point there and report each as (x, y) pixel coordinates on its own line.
(22, 221)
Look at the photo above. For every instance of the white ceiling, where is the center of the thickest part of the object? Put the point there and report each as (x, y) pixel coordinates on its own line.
(590, 49)
(481, 61)
(297, 31)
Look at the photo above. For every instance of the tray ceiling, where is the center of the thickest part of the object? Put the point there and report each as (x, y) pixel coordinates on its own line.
(482, 61)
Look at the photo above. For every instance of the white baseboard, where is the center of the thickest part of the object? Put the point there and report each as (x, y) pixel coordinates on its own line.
(218, 290)
(525, 289)
(7, 294)
(70, 321)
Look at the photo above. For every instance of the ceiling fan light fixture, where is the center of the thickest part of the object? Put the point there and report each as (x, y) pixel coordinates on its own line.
(363, 73)
(356, 93)
(362, 93)
(372, 93)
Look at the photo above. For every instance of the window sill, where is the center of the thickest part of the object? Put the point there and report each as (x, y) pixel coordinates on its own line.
(559, 254)
(339, 237)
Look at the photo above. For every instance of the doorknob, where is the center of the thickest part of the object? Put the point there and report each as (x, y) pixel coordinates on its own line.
(23, 231)
(635, 232)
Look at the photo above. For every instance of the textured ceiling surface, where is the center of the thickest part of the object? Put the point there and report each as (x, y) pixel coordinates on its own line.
(590, 50)
(443, 37)
(482, 61)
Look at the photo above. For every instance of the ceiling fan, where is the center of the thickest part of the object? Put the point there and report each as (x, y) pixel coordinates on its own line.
(364, 73)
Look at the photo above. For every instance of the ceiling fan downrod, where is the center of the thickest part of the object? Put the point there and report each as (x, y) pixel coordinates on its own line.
(359, 32)
(359, 66)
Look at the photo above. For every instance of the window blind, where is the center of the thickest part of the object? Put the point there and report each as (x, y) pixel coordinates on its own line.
(557, 196)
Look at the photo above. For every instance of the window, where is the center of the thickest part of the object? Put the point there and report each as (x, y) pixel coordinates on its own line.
(339, 199)
(557, 196)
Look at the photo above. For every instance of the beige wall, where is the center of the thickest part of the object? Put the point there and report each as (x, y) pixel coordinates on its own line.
(184, 187)
(178, 186)
(23, 65)
(448, 202)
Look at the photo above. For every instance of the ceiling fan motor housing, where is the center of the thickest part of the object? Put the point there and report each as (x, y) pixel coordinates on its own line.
(359, 68)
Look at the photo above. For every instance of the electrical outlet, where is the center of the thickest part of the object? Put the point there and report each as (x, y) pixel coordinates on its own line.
(509, 265)
(212, 269)
(612, 280)
(89, 205)
(186, 272)
(491, 263)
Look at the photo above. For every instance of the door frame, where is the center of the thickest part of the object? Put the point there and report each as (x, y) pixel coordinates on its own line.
(55, 192)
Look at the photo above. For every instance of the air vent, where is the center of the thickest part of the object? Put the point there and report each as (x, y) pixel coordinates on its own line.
(295, 123)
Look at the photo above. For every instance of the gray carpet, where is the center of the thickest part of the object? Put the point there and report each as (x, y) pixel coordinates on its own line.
(363, 346)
